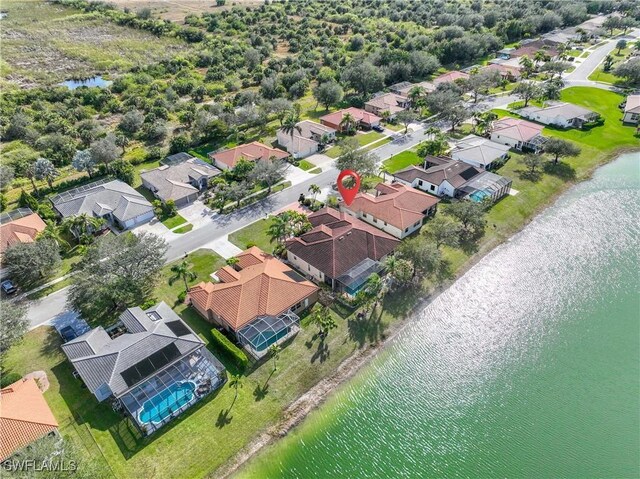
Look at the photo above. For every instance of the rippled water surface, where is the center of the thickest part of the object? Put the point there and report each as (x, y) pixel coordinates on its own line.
(528, 366)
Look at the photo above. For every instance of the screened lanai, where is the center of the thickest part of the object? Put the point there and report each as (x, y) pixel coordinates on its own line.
(264, 331)
(172, 390)
(352, 281)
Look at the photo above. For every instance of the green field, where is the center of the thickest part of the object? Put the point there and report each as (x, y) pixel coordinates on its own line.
(402, 160)
(46, 43)
(255, 233)
(173, 221)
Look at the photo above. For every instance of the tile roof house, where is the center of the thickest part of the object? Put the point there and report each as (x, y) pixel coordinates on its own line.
(479, 152)
(364, 119)
(340, 250)
(256, 299)
(112, 200)
(564, 115)
(25, 417)
(445, 179)
(396, 209)
(529, 48)
(22, 229)
(307, 140)
(509, 72)
(254, 151)
(146, 354)
(517, 133)
(180, 181)
(403, 88)
(632, 110)
(450, 77)
(390, 103)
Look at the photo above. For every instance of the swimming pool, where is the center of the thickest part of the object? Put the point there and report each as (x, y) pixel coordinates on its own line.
(165, 402)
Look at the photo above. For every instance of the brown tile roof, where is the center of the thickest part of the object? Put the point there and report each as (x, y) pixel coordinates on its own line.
(517, 129)
(21, 230)
(338, 242)
(24, 416)
(396, 204)
(450, 77)
(389, 102)
(263, 286)
(251, 151)
(530, 49)
(360, 115)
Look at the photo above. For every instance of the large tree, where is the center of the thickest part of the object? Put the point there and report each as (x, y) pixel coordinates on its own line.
(423, 254)
(481, 81)
(83, 161)
(558, 148)
(444, 231)
(406, 117)
(532, 161)
(105, 150)
(629, 71)
(527, 91)
(328, 94)
(470, 214)
(30, 263)
(363, 77)
(269, 172)
(7, 174)
(117, 272)
(13, 324)
(45, 170)
(447, 103)
(354, 158)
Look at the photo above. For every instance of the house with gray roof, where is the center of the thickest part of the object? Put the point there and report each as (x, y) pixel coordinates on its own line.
(181, 179)
(113, 200)
(443, 179)
(150, 363)
(479, 152)
(561, 114)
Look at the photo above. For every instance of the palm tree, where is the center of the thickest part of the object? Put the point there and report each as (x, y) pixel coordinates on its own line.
(182, 271)
(384, 169)
(527, 66)
(236, 381)
(81, 226)
(122, 141)
(348, 122)
(52, 232)
(278, 229)
(416, 94)
(539, 57)
(323, 318)
(274, 351)
(484, 121)
(433, 131)
(290, 125)
(232, 261)
(314, 190)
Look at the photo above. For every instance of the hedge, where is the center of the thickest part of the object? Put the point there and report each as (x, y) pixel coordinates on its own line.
(231, 350)
(9, 378)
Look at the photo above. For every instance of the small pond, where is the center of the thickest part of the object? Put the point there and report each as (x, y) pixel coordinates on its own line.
(97, 81)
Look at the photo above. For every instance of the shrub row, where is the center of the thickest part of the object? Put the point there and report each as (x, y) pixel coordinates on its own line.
(231, 350)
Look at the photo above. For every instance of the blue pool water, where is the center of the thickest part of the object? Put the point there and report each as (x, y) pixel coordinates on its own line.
(164, 403)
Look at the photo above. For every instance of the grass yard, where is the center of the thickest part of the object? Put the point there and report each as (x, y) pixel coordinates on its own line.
(370, 137)
(255, 233)
(315, 171)
(402, 160)
(306, 165)
(173, 221)
(36, 35)
(378, 144)
(184, 229)
(211, 432)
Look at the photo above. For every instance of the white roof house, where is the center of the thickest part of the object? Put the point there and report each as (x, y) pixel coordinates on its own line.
(564, 115)
(632, 109)
(306, 139)
(479, 152)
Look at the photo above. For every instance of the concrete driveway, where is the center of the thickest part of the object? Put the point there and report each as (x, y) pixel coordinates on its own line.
(319, 159)
(197, 213)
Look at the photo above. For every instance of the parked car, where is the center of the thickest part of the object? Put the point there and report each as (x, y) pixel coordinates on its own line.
(68, 333)
(8, 287)
(378, 128)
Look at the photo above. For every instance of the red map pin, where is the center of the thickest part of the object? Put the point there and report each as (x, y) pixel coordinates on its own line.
(348, 194)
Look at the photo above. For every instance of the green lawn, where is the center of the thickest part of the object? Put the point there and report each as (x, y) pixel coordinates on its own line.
(255, 233)
(366, 138)
(315, 171)
(378, 143)
(173, 221)
(207, 435)
(306, 165)
(184, 229)
(402, 160)
(606, 77)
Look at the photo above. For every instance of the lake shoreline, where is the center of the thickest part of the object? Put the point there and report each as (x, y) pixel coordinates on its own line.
(312, 399)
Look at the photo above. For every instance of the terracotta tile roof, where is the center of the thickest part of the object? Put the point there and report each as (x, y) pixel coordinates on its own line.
(360, 115)
(263, 286)
(338, 242)
(389, 102)
(505, 69)
(396, 204)
(529, 49)
(251, 151)
(21, 230)
(450, 76)
(517, 129)
(24, 416)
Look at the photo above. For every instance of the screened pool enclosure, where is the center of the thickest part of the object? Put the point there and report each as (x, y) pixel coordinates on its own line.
(264, 331)
(172, 390)
(353, 280)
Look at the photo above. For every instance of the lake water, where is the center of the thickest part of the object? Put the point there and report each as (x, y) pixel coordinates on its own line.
(528, 366)
(88, 82)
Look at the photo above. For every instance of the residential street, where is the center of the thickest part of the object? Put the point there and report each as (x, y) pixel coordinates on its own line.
(219, 226)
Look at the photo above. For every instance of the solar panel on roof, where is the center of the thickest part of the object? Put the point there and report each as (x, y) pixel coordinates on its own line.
(468, 173)
(148, 366)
